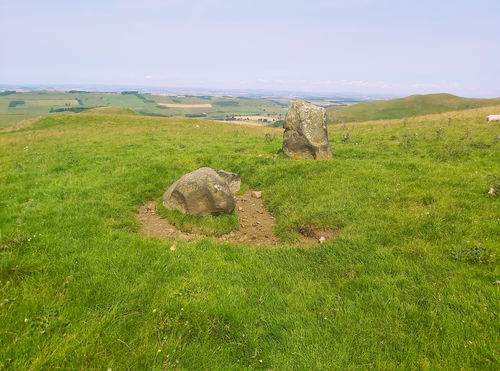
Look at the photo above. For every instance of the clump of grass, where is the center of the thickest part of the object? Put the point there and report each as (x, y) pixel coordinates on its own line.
(268, 137)
(494, 182)
(13, 270)
(473, 255)
(408, 141)
(479, 145)
(346, 137)
(451, 151)
(428, 200)
(439, 134)
(467, 134)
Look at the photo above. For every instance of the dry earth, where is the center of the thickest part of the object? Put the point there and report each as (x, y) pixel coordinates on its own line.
(256, 226)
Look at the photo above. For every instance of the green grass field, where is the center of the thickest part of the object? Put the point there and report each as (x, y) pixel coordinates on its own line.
(414, 105)
(409, 284)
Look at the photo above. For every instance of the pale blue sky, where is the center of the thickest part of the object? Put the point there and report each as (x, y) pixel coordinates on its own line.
(352, 46)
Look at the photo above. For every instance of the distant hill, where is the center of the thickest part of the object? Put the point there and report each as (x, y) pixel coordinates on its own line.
(414, 105)
(113, 110)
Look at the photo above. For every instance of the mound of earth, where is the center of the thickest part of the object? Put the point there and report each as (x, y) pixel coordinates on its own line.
(256, 226)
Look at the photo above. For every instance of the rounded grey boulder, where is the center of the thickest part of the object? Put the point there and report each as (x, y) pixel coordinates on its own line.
(201, 192)
(306, 133)
(232, 179)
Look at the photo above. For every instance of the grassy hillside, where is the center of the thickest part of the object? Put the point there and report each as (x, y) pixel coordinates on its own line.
(112, 111)
(409, 284)
(414, 105)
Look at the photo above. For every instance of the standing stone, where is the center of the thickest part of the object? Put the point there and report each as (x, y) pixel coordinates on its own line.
(201, 192)
(306, 134)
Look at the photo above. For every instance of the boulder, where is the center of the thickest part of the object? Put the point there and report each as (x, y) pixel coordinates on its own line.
(232, 179)
(306, 133)
(201, 192)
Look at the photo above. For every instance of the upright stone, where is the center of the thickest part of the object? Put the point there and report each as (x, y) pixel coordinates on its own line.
(306, 134)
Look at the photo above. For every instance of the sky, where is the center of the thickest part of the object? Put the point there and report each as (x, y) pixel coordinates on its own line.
(385, 47)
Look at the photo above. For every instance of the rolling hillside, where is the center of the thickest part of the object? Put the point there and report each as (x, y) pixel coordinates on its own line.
(16, 107)
(414, 105)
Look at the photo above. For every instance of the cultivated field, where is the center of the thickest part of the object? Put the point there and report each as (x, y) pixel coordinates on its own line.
(409, 283)
(15, 108)
(181, 105)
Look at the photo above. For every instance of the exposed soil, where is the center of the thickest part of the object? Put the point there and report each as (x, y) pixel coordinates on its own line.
(153, 225)
(256, 226)
(256, 223)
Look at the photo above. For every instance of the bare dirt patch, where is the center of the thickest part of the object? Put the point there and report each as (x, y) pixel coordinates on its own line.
(153, 225)
(185, 105)
(312, 234)
(256, 223)
(256, 226)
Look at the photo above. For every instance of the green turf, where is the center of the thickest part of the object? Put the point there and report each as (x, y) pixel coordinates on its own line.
(409, 284)
(414, 105)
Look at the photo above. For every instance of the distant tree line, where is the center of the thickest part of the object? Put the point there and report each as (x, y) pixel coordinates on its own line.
(7, 92)
(281, 104)
(144, 99)
(227, 103)
(192, 115)
(15, 103)
(130, 92)
(147, 113)
(78, 91)
(69, 109)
